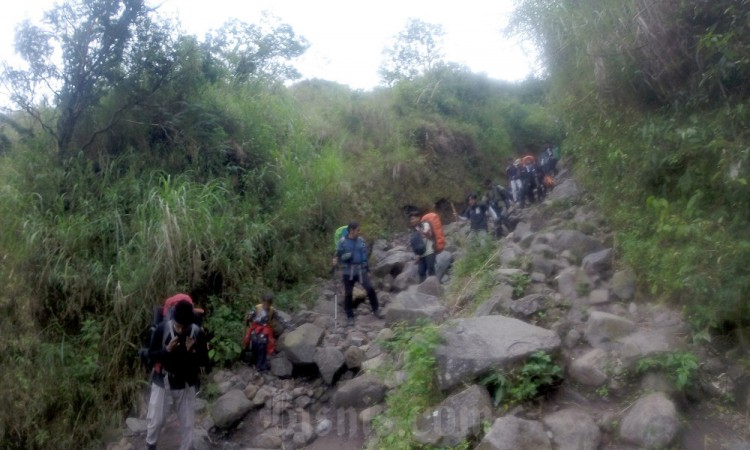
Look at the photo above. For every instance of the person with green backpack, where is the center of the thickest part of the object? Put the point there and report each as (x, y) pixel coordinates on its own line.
(351, 253)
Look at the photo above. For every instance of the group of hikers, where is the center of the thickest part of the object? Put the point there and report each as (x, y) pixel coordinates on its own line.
(178, 347)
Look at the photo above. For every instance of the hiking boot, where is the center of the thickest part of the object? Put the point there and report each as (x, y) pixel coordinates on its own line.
(150, 446)
(350, 322)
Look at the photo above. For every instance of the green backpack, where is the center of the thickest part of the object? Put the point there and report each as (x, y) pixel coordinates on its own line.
(340, 232)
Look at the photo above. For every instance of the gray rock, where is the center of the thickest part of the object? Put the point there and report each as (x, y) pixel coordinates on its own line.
(576, 242)
(572, 338)
(303, 401)
(567, 191)
(525, 307)
(386, 334)
(498, 303)
(472, 347)
(599, 296)
(573, 430)
(250, 391)
(357, 338)
(323, 427)
(299, 344)
(604, 329)
(135, 425)
(568, 281)
(360, 392)
(410, 306)
(443, 262)
(267, 440)
(591, 368)
(353, 357)
(264, 394)
(368, 414)
(329, 361)
(543, 265)
(201, 440)
(648, 342)
(456, 419)
(393, 262)
(230, 408)
(623, 284)
(281, 366)
(512, 433)
(431, 286)
(304, 434)
(652, 422)
(598, 263)
(409, 276)
(509, 255)
(522, 232)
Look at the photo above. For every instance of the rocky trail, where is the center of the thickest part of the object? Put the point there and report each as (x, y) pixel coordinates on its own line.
(557, 287)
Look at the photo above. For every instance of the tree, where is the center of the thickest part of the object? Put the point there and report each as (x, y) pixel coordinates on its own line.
(417, 49)
(249, 50)
(83, 51)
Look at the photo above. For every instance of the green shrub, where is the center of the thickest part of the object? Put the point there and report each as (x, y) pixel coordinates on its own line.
(538, 374)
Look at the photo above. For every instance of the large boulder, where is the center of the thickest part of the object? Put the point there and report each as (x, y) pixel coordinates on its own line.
(598, 264)
(591, 368)
(281, 366)
(329, 361)
(512, 433)
(456, 419)
(300, 343)
(576, 242)
(652, 422)
(443, 262)
(573, 429)
(568, 190)
(409, 276)
(604, 329)
(393, 263)
(230, 408)
(431, 286)
(360, 392)
(623, 284)
(410, 306)
(473, 347)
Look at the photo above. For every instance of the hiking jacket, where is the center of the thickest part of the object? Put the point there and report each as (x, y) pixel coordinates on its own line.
(512, 172)
(477, 216)
(183, 366)
(352, 254)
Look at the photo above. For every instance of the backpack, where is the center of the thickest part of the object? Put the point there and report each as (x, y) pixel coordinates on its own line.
(549, 182)
(417, 243)
(437, 230)
(341, 232)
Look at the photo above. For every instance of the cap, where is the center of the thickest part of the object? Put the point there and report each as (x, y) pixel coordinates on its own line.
(183, 313)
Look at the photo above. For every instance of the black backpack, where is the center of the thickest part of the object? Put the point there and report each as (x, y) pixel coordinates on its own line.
(417, 243)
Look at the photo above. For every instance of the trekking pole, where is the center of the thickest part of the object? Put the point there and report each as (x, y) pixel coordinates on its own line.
(335, 299)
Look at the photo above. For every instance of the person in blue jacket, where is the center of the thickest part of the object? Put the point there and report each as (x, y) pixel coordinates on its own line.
(351, 253)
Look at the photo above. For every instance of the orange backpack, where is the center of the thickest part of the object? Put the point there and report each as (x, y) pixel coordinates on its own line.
(437, 230)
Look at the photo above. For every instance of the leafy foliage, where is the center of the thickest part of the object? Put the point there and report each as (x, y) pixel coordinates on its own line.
(680, 366)
(419, 390)
(538, 374)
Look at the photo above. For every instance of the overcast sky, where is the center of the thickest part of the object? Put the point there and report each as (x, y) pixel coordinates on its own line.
(346, 36)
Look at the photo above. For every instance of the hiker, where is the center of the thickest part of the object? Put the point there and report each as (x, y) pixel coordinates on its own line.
(476, 213)
(423, 245)
(261, 336)
(529, 180)
(178, 349)
(351, 252)
(513, 176)
(496, 197)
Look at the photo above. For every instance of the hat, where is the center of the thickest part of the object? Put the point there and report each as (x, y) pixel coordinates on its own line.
(183, 313)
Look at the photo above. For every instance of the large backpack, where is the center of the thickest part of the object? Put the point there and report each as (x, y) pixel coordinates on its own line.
(418, 245)
(340, 232)
(437, 230)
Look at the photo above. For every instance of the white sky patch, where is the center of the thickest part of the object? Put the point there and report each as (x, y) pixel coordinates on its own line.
(347, 37)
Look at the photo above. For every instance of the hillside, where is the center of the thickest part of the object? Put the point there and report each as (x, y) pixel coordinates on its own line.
(538, 340)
